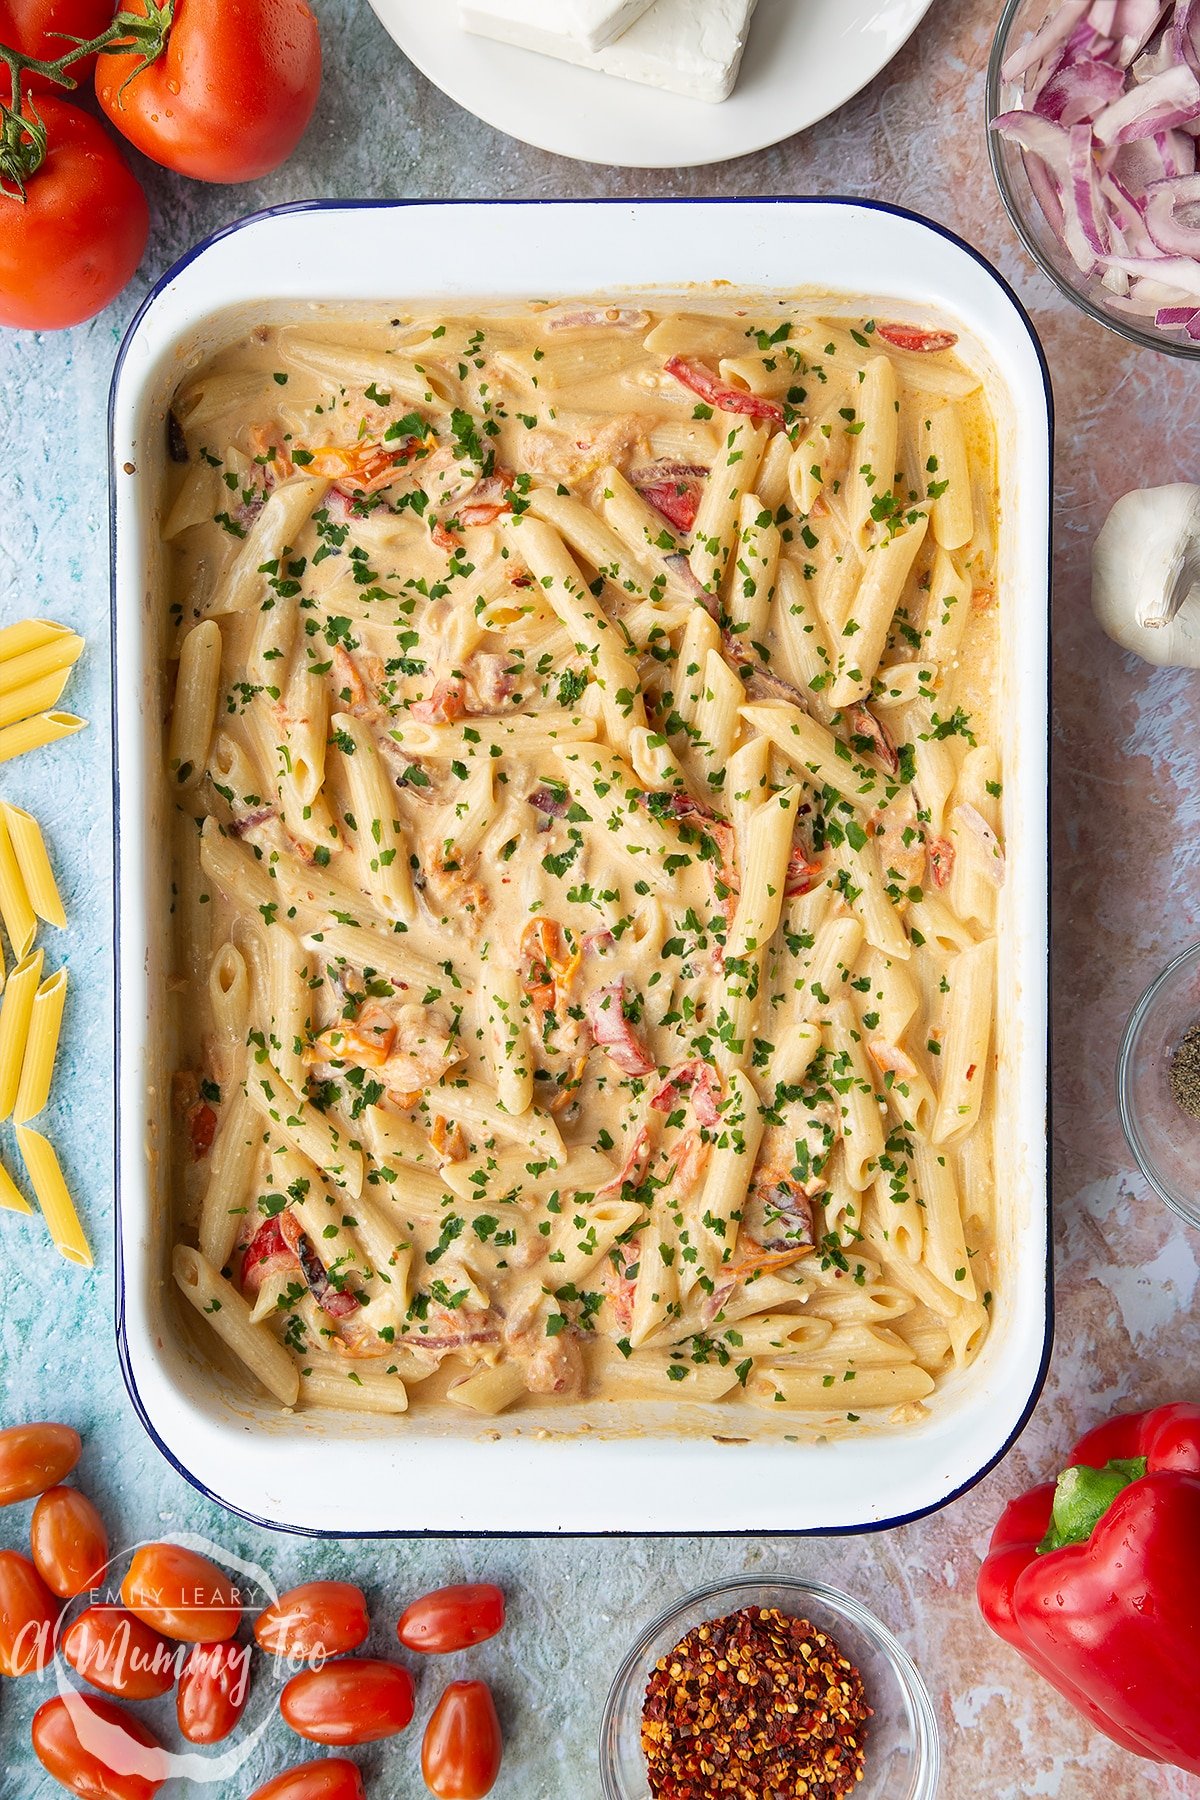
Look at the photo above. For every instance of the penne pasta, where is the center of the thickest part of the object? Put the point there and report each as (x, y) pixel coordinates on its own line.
(194, 713)
(16, 1010)
(41, 1047)
(38, 696)
(226, 1313)
(11, 1197)
(53, 1196)
(49, 657)
(31, 734)
(16, 908)
(33, 866)
(714, 535)
(34, 634)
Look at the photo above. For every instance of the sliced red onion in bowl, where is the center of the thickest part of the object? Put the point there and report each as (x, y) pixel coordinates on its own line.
(1179, 274)
(1133, 23)
(1046, 191)
(1085, 190)
(1159, 104)
(1077, 91)
(1151, 159)
(1183, 33)
(1168, 204)
(1054, 32)
(1177, 152)
(1107, 117)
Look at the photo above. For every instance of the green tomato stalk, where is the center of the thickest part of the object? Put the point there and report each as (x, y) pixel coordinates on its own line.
(23, 140)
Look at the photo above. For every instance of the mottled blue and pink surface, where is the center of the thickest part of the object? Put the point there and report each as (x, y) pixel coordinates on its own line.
(1127, 894)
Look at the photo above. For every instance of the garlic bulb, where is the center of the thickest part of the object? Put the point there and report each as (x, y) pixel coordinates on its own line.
(1146, 574)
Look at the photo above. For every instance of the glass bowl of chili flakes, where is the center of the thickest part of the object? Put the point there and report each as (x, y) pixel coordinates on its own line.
(680, 1668)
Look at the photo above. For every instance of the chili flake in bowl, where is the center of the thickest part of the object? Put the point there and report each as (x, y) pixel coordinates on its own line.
(768, 1690)
(754, 1703)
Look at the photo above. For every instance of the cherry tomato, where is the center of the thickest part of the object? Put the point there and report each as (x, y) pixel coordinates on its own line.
(232, 93)
(452, 1618)
(350, 1702)
(182, 1594)
(65, 252)
(214, 1686)
(317, 1619)
(41, 28)
(119, 1654)
(69, 1542)
(28, 1612)
(333, 1778)
(34, 1457)
(81, 1767)
(462, 1748)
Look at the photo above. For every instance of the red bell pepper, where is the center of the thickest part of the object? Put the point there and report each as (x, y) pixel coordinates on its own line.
(1094, 1580)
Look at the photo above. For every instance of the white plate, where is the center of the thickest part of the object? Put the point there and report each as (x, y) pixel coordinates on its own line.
(632, 1471)
(804, 59)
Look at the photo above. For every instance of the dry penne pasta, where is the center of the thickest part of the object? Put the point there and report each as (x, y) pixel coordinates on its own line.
(16, 1010)
(16, 907)
(11, 1197)
(47, 658)
(41, 1047)
(31, 634)
(53, 1196)
(33, 864)
(38, 696)
(31, 734)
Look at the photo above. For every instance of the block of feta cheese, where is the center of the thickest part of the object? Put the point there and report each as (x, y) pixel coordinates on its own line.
(549, 25)
(691, 47)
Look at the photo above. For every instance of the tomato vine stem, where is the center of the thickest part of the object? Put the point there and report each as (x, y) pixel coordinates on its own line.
(23, 136)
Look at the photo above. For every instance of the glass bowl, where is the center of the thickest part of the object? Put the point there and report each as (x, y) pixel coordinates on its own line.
(903, 1751)
(1164, 1139)
(1018, 21)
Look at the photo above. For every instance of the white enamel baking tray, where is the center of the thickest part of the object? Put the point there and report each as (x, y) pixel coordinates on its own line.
(611, 1471)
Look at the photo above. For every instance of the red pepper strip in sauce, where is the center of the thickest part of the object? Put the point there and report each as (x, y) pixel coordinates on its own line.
(702, 1081)
(448, 701)
(279, 1244)
(633, 1171)
(941, 860)
(613, 1032)
(335, 1302)
(801, 873)
(703, 382)
(672, 489)
(361, 468)
(871, 737)
(267, 1253)
(202, 1128)
(911, 337)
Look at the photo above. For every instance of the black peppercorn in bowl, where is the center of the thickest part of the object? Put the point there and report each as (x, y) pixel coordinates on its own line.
(900, 1748)
(1158, 1084)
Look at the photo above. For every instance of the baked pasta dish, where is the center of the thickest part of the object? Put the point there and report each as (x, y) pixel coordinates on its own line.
(588, 856)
